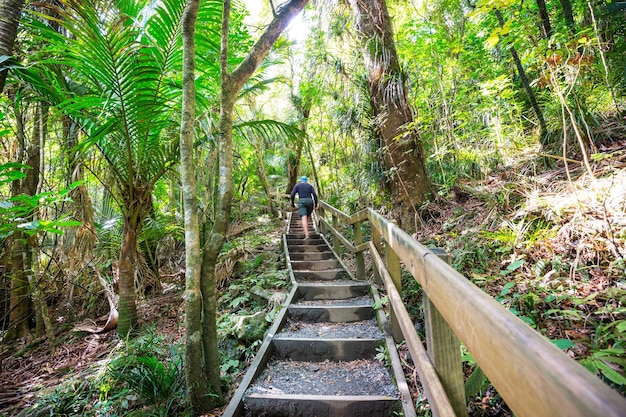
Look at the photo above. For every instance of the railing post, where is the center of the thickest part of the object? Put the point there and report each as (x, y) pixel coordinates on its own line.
(376, 240)
(444, 349)
(360, 260)
(393, 267)
(321, 215)
(336, 241)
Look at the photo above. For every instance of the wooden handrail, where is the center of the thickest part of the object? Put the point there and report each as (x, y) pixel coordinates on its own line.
(533, 376)
(428, 375)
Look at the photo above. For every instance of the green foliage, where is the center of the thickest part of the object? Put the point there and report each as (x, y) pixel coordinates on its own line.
(477, 381)
(146, 375)
(16, 211)
(382, 355)
(159, 385)
(70, 399)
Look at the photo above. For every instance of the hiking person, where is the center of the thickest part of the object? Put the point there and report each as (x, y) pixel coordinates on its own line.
(307, 201)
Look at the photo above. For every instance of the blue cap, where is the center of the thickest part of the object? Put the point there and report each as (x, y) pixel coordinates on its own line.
(303, 179)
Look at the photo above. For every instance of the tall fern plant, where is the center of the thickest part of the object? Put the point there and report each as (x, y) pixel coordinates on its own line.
(121, 61)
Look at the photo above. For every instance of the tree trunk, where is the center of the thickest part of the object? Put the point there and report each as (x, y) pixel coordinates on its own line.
(29, 188)
(195, 376)
(231, 84)
(10, 11)
(568, 15)
(79, 242)
(32, 186)
(258, 153)
(294, 156)
(19, 304)
(545, 19)
(402, 151)
(526, 84)
(137, 203)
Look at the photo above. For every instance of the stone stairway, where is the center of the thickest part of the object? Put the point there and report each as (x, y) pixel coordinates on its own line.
(327, 353)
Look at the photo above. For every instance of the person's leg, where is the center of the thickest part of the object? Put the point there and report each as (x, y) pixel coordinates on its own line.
(304, 212)
(305, 225)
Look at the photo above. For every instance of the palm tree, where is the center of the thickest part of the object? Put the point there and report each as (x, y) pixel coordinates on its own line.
(121, 62)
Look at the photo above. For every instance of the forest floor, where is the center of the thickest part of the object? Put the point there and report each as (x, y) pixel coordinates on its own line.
(550, 246)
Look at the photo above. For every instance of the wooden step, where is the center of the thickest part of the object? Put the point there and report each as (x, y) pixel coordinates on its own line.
(293, 248)
(331, 313)
(314, 265)
(329, 274)
(296, 388)
(329, 291)
(311, 256)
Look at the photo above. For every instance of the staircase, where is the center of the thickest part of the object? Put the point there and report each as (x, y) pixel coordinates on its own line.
(327, 353)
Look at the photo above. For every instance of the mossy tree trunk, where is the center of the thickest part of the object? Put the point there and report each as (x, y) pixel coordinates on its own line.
(195, 373)
(402, 150)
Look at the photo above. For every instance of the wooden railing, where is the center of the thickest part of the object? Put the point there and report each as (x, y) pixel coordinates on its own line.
(534, 377)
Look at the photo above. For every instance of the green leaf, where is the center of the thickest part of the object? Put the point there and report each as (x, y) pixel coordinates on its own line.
(562, 344)
(67, 223)
(512, 267)
(507, 288)
(492, 41)
(475, 382)
(610, 373)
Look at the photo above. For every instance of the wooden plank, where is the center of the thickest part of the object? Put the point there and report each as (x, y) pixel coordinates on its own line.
(533, 376)
(444, 349)
(393, 267)
(347, 219)
(339, 237)
(235, 406)
(360, 259)
(436, 394)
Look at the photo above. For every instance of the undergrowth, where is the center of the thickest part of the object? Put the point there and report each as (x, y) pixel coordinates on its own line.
(144, 375)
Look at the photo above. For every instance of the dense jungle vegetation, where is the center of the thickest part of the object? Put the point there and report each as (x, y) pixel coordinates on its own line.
(145, 146)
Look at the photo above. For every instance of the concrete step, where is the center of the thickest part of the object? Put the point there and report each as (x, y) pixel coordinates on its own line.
(320, 356)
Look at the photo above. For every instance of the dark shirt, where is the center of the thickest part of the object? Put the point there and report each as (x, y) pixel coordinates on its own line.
(304, 190)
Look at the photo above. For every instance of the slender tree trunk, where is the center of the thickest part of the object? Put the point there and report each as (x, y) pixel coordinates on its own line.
(33, 183)
(29, 188)
(231, 84)
(545, 19)
(19, 304)
(568, 15)
(195, 376)
(258, 153)
(403, 153)
(526, 84)
(294, 156)
(10, 11)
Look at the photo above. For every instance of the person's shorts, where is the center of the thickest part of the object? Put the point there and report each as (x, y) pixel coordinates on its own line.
(305, 206)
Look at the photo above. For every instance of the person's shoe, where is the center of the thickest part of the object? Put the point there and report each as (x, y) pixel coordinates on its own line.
(306, 236)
